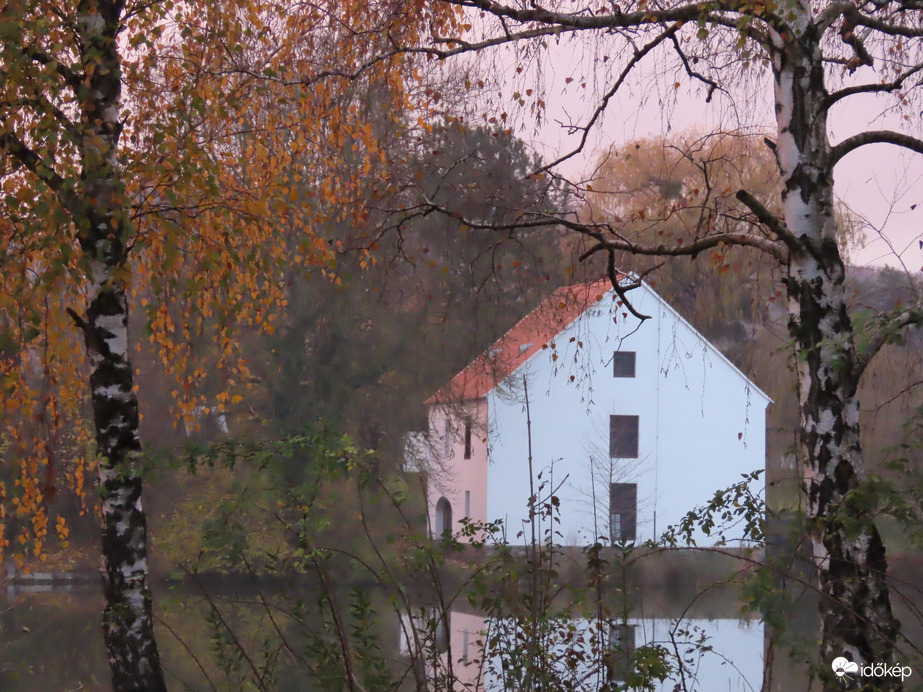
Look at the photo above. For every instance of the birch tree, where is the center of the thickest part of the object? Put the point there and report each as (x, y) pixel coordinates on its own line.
(819, 55)
(153, 152)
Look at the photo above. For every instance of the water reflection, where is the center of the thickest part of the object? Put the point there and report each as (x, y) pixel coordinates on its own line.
(52, 641)
(490, 654)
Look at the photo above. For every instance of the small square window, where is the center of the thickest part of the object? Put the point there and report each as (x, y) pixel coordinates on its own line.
(623, 437)
(623, 364)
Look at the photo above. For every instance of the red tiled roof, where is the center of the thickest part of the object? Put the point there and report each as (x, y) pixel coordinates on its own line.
(526, 337)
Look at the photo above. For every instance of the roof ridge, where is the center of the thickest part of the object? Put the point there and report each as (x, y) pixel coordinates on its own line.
(521, 341)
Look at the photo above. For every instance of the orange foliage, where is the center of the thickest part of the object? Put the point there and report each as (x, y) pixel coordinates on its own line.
(243, 138)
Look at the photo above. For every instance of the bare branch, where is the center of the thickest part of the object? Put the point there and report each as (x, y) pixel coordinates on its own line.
(711, 84)
(767, 218)
(860, 19)
(833, 12)
(771, 247)
(622, 289)
(609, 239)
(604, 102)
(848, 34)
(695, 247)
(874, 137)
(896, 397)
(458, 47)
(508, 37)
(689, 11)
(886, 87)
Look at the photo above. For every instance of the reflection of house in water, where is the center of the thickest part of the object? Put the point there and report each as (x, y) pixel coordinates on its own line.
(632, 423)
(705, 654)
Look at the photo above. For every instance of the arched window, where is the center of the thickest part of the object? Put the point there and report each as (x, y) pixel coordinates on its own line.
(443, 516)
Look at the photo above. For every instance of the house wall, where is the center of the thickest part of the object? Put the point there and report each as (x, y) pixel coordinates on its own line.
(450, 475)
(701, 424)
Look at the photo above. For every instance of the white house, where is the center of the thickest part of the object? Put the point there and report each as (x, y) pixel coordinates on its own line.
(628, 423)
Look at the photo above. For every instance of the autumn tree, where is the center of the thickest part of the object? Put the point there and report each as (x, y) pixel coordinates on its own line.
(818, 57)
(154, 152)
(644, 185)
(415, 296)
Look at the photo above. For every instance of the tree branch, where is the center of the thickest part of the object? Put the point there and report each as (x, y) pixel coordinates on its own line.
(711, 84)
(885, 27)
(604, 102)
(71, 78)
(508, 37)
(41, 105)
(894, 85)
(874, 137)
(459, 48)
(831, 14)
(850, 38)
(608, 238)
(742, 239)
(888, 330)
(767, 218)
(79, 321)
(622, 289)
(853, 17)
(687, 11)
(22, 154)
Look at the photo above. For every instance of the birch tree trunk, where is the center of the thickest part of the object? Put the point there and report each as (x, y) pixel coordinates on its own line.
(855, 608)
(127, 622)
(101, 213)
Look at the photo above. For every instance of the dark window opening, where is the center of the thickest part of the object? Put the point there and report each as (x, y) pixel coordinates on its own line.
(623, 437)
(623, 512)
(623, 364)
(467, 439)
(443, 517)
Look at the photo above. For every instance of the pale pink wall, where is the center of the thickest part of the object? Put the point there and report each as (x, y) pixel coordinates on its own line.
(467, 661)
(451, 476)
(466, 638)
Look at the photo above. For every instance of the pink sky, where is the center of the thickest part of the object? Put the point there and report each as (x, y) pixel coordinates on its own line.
(879, 182)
